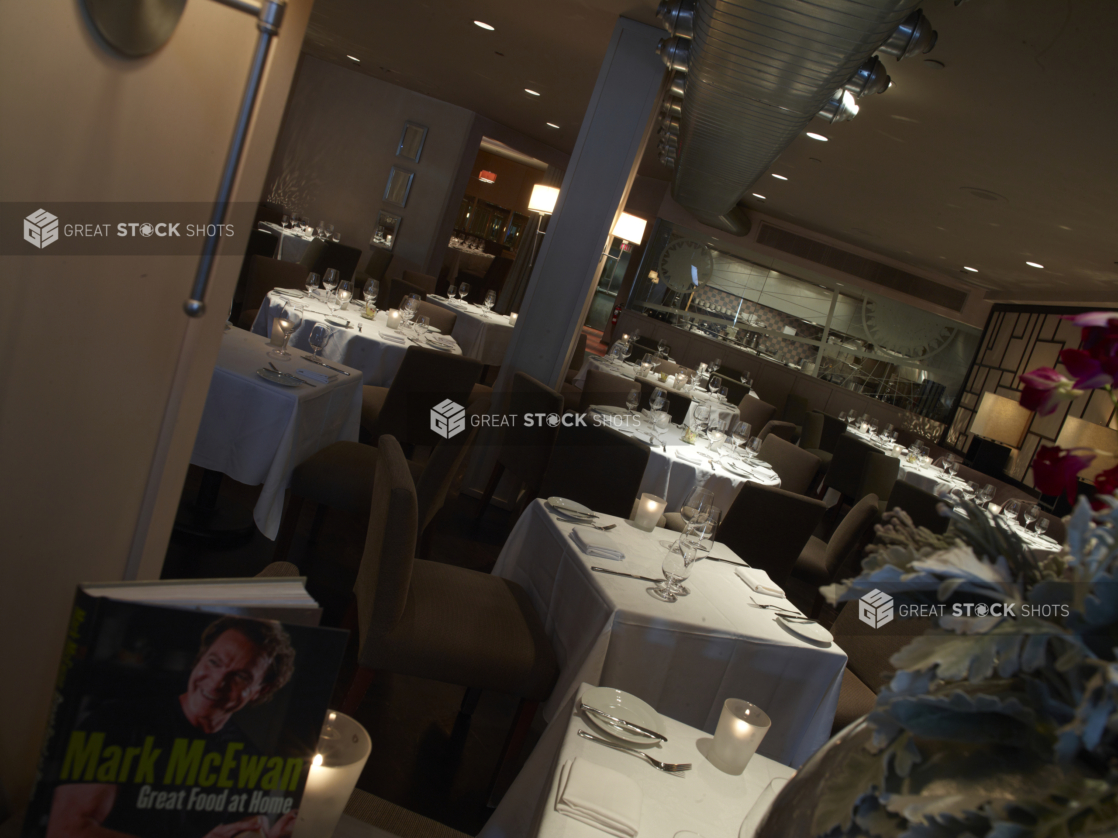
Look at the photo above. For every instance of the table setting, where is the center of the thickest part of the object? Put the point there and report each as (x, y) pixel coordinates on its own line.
(292, 241)
(482, 334)
(725, 637)
(374, 345)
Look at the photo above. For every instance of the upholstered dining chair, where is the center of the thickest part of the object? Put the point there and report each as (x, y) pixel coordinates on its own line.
(426, 378)
(340, 477)
(424, 281)
(522, 450)
(441, 318)
(795, 466)
(396, 291)
(858, 469)
(677, 403)
(820, 561)
(438, 621)
(777, 427)
(820, 434)
(769, 527)
(604, 388)
(919, 504)
(596, 466)
(264, 274)
(756, 412)
(340, 257)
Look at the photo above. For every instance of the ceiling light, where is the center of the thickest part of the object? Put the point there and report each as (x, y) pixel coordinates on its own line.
(354, 58)
(780, 177)
(1034, 264)
(759, 197)
(819, 137)
(487, 177)
(484, 25)
(531, 92)
(972, 270)
(839, 108)
(552, 125)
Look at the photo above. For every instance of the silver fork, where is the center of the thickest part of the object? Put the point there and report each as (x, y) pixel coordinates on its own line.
(669, 767)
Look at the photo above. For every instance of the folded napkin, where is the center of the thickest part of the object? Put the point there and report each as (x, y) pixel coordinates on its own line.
(596, 543)
(395, 337)
(315, 375)
(445, 340)
(600, 797)
(759, 581)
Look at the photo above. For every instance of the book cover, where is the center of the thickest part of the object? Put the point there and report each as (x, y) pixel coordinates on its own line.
(171, 722)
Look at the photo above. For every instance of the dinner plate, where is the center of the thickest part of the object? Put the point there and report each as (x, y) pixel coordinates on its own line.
(625, 706)
(809, 631)
(278, 378)
(569, 507)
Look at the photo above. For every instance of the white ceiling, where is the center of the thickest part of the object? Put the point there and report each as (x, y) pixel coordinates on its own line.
(1025, 110)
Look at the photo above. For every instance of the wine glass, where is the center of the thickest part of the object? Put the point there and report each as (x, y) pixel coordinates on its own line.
(490, 300)
(313, 281)
(752, 448)
(371, 291)
(286, 222)
(658, 398)
(986, 495)
(422, 324)
(677, 569)
(289, 321)
(463, 290)
(330, 280)
(626, 350)
(1010, 511)
(702, 416)
(714, 384)
(715, 365)
(320, 230)
(320, 336)
(451, 291)
(1041, 525)
(696, 507)
(740, 435)
(661, 421)
(1031, 515)
(346, 286)
(633, 400)
(409, 307)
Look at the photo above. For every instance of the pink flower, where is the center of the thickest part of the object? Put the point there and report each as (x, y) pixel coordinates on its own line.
(1045, 388)
(1056, 470)
(1100, 333)
(1092, 319)
(1106, 482)
(1090, 372)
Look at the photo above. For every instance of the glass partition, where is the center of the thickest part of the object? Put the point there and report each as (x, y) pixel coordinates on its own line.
(850, 337)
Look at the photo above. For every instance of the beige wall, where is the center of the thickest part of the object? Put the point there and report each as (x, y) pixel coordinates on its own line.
(100, 397)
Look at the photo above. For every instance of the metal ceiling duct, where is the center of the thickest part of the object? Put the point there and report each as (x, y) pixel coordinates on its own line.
(757, 71)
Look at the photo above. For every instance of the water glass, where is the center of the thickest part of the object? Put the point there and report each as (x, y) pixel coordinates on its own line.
(320, 336)
(289, 320)
(741, 433)
(633, 400)
(658, 399)
(1041, 525)
(422, 324)
(1031, 515)
(702, 415)
(490, 300)
(986, 495)
(1010, 511)
(463, 290)
(451, 291)
(313, 281)
(753, 448)
(715, 383)
(330, 280)
(371, 291)
(677, 569)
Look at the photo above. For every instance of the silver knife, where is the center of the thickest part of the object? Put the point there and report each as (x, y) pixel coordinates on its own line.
(644, 731)
(316, 361)
(630, 575)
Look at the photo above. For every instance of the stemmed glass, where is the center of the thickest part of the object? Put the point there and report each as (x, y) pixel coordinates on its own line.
(409, 308)
(463, 290)
(451, 291)
(320, 336)
(661, 421)
(747, 380)
(702, 416)
(289, 320)
(490, 300)
(345, 292)
(626, 350)
(1031, 515)
(986, 495)
(752, 449)
(422, 324)
(312, 283)
(658, 399)
(330, 280)
(697, 507)
(677, 569)
(633, 400)
(740, 435)
(715, 365)
(1041, 525)
(371, 291)
(714, 384)
(1010, 511)
(286, 222)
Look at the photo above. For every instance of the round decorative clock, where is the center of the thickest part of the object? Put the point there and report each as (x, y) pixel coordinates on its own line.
(902, 329)
(686, 265)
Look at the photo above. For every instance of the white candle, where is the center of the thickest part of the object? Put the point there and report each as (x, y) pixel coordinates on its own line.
(649, 510)
(646, 368)
(670, 381)
(625, 338)
(512, 319)
(276, 338)
(741, 727)
(393, 319)
(343, 298)
(343, 749)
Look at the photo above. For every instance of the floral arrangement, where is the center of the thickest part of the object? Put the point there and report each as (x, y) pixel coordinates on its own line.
(1094, 366)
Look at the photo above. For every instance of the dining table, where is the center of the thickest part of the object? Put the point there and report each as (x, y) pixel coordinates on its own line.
(473, 260)
(257, 425)
(367, 345)
(703, 800)
(483, 335)
(685, 658)
(292, 244)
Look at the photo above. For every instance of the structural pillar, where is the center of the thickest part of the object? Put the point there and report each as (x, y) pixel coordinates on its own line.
(617, 124)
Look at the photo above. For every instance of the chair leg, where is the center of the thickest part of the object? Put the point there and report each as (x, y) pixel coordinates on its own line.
(513, 745)
(288, 525)
(469, 702)
(362, 678)
(490, 488)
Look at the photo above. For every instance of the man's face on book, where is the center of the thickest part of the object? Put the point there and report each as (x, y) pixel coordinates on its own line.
(228, 676)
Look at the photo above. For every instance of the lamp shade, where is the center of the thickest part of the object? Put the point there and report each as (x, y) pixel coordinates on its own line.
(1079, 433)
(543, 199)
(630, 228)
(487, 177)
(1002, 420)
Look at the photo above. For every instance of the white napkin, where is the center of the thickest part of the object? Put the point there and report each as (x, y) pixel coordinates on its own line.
(759, 582)
(600, 797)
(315, 375)
(596, 543)
(445, 340)
(395, 337)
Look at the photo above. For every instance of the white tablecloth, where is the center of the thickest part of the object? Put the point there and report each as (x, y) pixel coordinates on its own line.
(292, 245)
(257, 432)
(483, 336)
(361, 346)
(466, 259)
(703, 800)
(683, 658)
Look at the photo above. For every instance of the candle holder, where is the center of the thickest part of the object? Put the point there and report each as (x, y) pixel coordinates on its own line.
(741, 727)
(343, 300)
(649, 510)
(646, 369)
(394, 318)
(343, 748)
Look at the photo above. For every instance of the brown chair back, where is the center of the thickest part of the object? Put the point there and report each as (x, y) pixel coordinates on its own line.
(379, 260)
(756, 412)
(677, 403)
(852, 535)
(441, 318)
(596, 466)
(383, 579)
(424, 281)
(340, 257)
(858, 468)
(604, 388)
(919, 504)
(749, 527)
(442, 467)
(396, 291)
(784, 430)
(426, 378)
(795, 409)
(266, 274)
(795, 466)
(833, 428)
(525, 451)
(812, 431)
(868, 649)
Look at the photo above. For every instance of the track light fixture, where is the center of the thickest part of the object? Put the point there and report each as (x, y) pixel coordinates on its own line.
(870, 78)
(840, 108)
(675, 52)
(678, 17)
(914, 36)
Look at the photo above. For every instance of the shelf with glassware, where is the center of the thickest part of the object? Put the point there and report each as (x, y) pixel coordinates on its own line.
(489, 222)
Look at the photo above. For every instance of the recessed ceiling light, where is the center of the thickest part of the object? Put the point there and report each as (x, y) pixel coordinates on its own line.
(819, 137)
(354, 58)
(1034, 264)
(972, 270)
(531, 92)
(552, 125)
(759, 197)
(484, 25)
(780, 177)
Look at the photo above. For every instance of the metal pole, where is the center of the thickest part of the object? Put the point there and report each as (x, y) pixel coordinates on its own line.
(269, 16)
(826, 332)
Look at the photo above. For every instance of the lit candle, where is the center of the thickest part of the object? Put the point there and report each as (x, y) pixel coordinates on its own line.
(716, 438)
(646, 368)
(670, 381)
(276, 338)
(649, 510)
(393, 318)
(343, 298)
(343, 749)
(625, 338)
(512, 319)
(741, 727)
